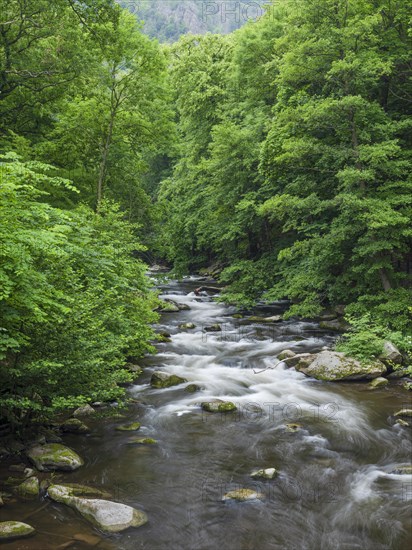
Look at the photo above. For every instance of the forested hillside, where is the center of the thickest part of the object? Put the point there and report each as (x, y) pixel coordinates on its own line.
(280, 152)
(294, 166)
(167, 20)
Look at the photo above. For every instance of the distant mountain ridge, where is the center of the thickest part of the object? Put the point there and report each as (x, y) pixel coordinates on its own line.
(166, 20)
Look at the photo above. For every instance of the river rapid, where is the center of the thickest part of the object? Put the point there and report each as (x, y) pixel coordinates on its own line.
(335, 489)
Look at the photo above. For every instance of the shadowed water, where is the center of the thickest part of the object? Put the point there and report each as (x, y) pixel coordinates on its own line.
(335, 489)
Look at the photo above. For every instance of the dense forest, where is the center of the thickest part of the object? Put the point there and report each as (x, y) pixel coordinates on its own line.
(279, 153)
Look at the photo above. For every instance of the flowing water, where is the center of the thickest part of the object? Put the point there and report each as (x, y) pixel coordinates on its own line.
(335, 489)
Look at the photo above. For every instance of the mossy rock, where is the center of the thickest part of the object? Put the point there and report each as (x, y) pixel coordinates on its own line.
(272, 319)
(85, 410)
(132, 427)
(286, 354)
(335, 366)
(407, 386)
(10, 530)
(141, 441)
(242, 495)
(218, 406)
(402, 423)
(192, 388)
(74, 426)
(29, 488)
(168, 307)
(54, 456)
(379, 382)
(163, 380)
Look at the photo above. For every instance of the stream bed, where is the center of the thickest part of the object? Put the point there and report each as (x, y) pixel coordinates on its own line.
(335, 489)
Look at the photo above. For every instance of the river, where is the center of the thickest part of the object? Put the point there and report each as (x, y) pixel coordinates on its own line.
(335, 489)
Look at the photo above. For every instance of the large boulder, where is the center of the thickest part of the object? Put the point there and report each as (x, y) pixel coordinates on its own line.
(332, 365)
(109, 516)
(163, 380)
(10, 530)
(54, 456)
(391, 354)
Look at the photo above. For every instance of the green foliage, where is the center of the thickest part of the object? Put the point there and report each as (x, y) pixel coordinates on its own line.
(74, 301)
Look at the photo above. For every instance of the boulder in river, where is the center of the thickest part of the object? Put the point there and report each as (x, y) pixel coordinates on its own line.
(293, 427)
(334, 366)
(272, 319)
(74, 426)
(85, 410)
(111, 517)
(168, 306)
(10, 530)
(391, 354)
(188, 326)
(29, 488)
(141, 441)
(54, 456)
(218, 405)
(213, 328)
(266, 473)
(242, 495)
(163, 380)
(379, 382)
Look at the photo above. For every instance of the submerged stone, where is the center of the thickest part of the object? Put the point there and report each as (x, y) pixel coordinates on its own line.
(141, 441)
(54, 456)
(132, 427)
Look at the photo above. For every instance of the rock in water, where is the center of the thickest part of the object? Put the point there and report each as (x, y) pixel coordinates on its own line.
(109, 516)
(242, 495)
(267, 473)
(286, 354)
(86, 410)
(163, 380)
(54, 456)
(218, 406)
(379, 382)
(29, 488)
(10, 530)
(74, 426)
(403, 470)
(332, 365)
(404, 412)
(133, 427)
